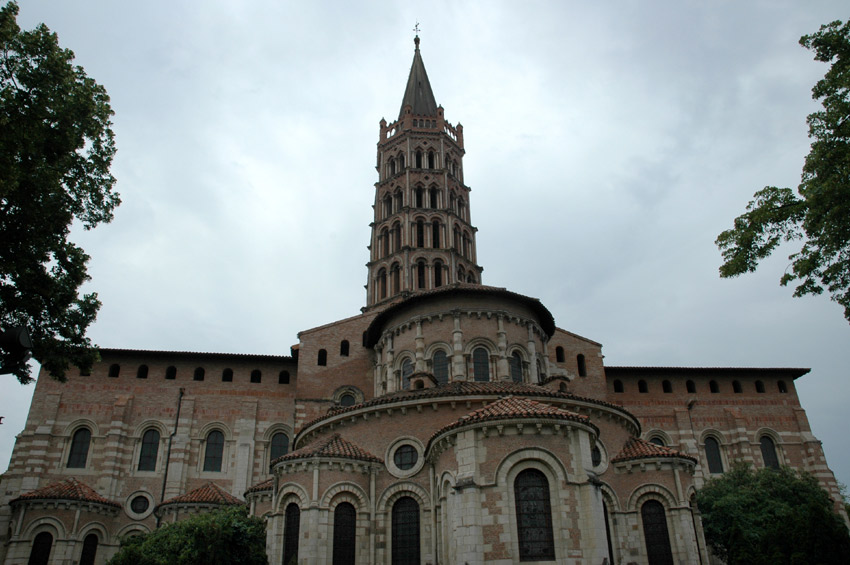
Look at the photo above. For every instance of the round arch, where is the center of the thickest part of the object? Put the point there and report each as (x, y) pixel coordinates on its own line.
(291, 492)
(345, 491)
(400, 489)
(525, 458)
(650, 492)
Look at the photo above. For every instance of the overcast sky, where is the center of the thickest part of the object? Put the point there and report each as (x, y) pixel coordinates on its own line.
(607, 146)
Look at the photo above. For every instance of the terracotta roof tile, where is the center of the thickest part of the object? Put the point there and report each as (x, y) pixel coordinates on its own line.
(70, 489)
(512, 408)
(334, 446)
(268, 484)
(209, 493)
(637, 448)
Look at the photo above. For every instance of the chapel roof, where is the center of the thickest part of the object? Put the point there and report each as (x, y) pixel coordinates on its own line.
(209, 493)
(69, 489)
(334, 446)
(268, 484)
(637, 448)
(418, 93)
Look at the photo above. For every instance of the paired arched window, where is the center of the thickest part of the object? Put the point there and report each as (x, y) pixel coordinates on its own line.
(712, 454)
(768, 452)
(655, 534)
(291, 527)
(533, 516)
(89, 550)
(418, 158)
(395, 278)
(79, 452)
(516, 367)
(279, 446)
(441, 367)
(322, 358)
(481, 364)
(405, 531)
(388, 206)
(432, 160)
(345, 528)
(41, 546)
(214, 452)
(385, 242)
(382, 284)
(433, 197)
(406, 371)
(396, 236)
(582, 366)
(149, 450)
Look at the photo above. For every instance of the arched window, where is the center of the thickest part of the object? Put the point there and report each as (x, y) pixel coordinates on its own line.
(516, 367)
(433, 195)
(713, 387)
(142, 372)
(457, 242)
(171, 373)
(89, 550)
(418, 158)
(227, 375)
(657, 440)
(256, 376)
(692, 388)
(420, 233)
(759, 387)
(343, 348)
(322, 358)
(618, 385)
(149, 451)
(608, 532)
(533, 516)
(385, 242)
(465, 251)
(406, 371)
(405, 531)
(438, 274)
(655, 533)
(79, 451)
(388, 206)
(41, 546)
(595, 456)
(481, 364)
(199, 374)
(420, 274)
(582, 367)
(283, 378)
(382, 284)
(279, 446)
(114, 370)
(642, 386)
(666, 386)
(291, 525)
(432, 160)
(435, 234)
(559, 354)
(395, 278)
(441, 367)
(392, 166)
(768, 453)
(345, 527)
(736, 387)
(783, 388)
(712, 454)
(347, 399)
(214, 451)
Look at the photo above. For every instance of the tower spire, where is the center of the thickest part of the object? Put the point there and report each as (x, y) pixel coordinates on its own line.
(418, 94)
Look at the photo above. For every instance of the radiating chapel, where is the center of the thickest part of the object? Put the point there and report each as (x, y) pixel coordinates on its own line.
(448, 422)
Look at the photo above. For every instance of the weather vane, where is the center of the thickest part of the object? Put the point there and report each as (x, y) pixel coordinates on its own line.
(416, 28)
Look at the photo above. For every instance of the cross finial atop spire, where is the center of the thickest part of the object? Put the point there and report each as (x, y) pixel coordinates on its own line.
(416, 39)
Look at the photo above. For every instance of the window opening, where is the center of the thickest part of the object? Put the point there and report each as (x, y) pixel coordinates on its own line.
(149, 451)
(783, 388)
(434, 198)
(171, 373)
(79, 451)
(256, 376)
(657, 440)
(438, 274)
(199, 374)
(516, 367)
(406, 371)
(142, 372)
(595, 456)
(441, 367)
(666, 386)
(481, 364)
(347, 400)
(656, 536)
(435, 234)
(534, 516)
(642, 386)
(214, 452)
(89, 550)
(713, 387)
(405, 457)
(582, 368)
(345, 527)
(420, 233)
(114, 369)
(283, 378)
(343, 348)
(759, 387)
(559, 354)
(227, 375)
(41, 546)
(618, 386)
(420, 275)
(736, 387)
(692, 388)
(405, 534)
(712, 454)
(322, 358)
(768, 453)
(279, 446)
(291, 525)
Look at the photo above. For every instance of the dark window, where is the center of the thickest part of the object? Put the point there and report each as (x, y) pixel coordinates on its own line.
(692, 388)
(385, 242)
(435, 235)
(227, 375)
(582, 367)
(343, 348)
(279, 446)
(291, 525)
(171, 373)
(441, 367)
(322, 357)
(533, 516)
(434, 199)
(89, 550)
(420, 274)
(256, 376)
(642, 386)
(768, 453)
(759, 386)
(736, 387)
(406, 371)
(420, 233)
(41, 546)
(214, 451)
(405, 457)
(432, 160)
(655, 533)
(666, 386)
(608, 532)
(438, 274)
(79, 449)
(481, 364)
(142, 372)
(149, 451)
(559, 354)
(114, 369)
(401, 160)
(420, 198)
(283, 378)
(395, 278)
(418, 159)
(405, 534)
(345, 527)
(347, 400)
(783, 388)
(382, 284)
(712, 453)
(516, 367)
(713, 387)
(140, 504)
(618, 386)
(199, 374)
(595, 456)
(657, 440)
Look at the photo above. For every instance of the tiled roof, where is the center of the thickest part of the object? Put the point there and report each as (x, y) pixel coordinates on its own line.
(637, 448)
(512, 408)
(70, 489)
(195, 354)
(792, 372)
(334, 446)
(268, 484)
(210, 493)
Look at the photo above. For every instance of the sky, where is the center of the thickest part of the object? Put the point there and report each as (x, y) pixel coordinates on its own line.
(608, 144)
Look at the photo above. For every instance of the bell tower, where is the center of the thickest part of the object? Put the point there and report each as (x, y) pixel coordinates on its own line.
(422, 237)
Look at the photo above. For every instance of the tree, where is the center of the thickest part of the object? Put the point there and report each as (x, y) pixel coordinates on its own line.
(819, 215)
(219, 537)
(771, 517)
(56, 147)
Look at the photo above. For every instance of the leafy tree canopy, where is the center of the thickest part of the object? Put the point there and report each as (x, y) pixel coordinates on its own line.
(56, 147)
(220, 537)
(819, 214)
(771, 517)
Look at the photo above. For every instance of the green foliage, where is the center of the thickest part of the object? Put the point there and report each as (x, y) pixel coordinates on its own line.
(56, 147)
(771, 517)
(220, 537)
(820, 215)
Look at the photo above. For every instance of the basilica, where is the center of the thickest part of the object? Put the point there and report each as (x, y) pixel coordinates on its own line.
(447, 421)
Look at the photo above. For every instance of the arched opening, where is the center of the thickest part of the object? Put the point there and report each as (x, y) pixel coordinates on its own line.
(516, 367)
(420, 274)
(406, 371)
(713, 387)
(783, 388)
(420, 233)
(279, 446)
(142, 372)
(405, 531)
(418, 158)
(382, 285)
(343, 348)
(559, 354)
(388, 206)
(712, 455)
(618, 385)
(481, 364)
(432, 160)
(149, 451)
(642, 386)
(345, 528)
(395, 278)
(736, 387)
(768, 452)
(657, 440)
(227, 375)
(256, 376)
(114, 370)
(582, 367)
(438, 274)
(759, 387)
(385, 242)
(199, 374)
(291, 526)
(283, 378)
(322, 357)
(171, 373)
(666, 386)
(89, 550)
(435, 234)
(214, 452)
(655, 534)
(608, 531)
(533, 516)
(434, 202)
(41, 546)
(396, 237)
(347, 399)
(692, 388)
(401, 161)
(420, 198)
(441, 367)
(79, 452)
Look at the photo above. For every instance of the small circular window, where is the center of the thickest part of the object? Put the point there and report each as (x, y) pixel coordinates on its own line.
(405, 457)
(139, 504)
